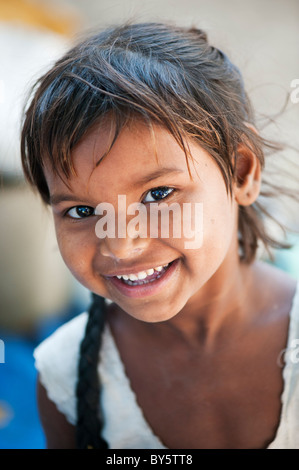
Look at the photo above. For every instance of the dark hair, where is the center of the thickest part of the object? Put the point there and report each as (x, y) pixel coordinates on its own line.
(89, 413)
(163, 74)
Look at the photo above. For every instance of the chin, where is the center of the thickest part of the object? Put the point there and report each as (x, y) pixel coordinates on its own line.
(152, 314)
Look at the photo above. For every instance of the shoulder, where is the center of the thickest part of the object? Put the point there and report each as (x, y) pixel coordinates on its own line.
(285, 291)
(56, 361)
(275, 290)
(274, 274)
(73, 331)
(63, 343)
(59, 433)
(274, 304)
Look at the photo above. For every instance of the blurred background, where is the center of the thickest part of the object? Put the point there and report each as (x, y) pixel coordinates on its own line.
(37, 293)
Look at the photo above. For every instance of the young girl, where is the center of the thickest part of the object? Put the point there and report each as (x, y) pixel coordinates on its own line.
(182, 347)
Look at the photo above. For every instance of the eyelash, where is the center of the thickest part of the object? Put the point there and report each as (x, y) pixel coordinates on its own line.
(160, 188)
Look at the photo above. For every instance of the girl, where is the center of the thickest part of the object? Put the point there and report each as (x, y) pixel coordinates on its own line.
(181, 348)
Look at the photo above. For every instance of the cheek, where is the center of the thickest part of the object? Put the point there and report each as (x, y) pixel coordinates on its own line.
(207, 224)
(219, 221)
(76, 249)
(219, 211)
(218, 231)
(218, 235)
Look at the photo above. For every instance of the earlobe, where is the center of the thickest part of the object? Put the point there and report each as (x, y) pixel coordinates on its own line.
(247, 176)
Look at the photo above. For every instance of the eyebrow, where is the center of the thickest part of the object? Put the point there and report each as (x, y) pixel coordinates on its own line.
(58, 198)
(156, 174)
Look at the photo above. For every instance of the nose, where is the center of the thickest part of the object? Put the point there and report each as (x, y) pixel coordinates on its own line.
(122, 248)
(120, 239)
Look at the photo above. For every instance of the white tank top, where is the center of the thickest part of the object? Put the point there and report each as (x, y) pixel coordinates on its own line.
(125, 427)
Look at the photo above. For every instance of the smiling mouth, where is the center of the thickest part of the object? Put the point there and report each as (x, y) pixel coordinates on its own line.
(145, 283)
(144, 277)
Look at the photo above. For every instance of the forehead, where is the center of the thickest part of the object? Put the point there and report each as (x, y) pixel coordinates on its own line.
(139, 146)
(139, 149)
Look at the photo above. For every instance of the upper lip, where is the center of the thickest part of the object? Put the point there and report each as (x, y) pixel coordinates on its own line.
(134, 269)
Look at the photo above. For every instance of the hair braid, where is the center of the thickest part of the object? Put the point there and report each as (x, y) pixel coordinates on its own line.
(89, 414)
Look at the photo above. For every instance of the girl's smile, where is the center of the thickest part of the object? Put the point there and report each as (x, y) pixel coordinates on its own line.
(150, 278)
(146, 282)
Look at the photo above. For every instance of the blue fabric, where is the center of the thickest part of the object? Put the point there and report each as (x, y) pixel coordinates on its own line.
(19, 423)
(20, 427)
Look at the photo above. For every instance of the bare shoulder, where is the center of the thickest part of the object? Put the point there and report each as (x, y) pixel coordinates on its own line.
(275, 290)
(60, 434)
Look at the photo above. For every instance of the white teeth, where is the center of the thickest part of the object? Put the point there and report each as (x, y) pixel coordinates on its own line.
(159, 268)
(142, 274)
(150, 271)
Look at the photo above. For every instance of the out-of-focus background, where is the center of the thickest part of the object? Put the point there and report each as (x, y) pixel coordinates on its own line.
(37, 293)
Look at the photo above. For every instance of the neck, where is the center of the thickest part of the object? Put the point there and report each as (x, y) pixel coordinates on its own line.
(221, 305)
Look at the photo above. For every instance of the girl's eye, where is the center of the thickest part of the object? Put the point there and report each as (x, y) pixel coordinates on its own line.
(157, 194)
(80, 212)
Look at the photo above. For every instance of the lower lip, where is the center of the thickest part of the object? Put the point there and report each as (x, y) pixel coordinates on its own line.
(145, 290)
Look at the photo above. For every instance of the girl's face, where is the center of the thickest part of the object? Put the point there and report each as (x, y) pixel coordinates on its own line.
(139, 163)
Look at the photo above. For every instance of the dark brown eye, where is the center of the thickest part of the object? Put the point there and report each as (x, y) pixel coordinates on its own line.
(158, 193)
(80, 212)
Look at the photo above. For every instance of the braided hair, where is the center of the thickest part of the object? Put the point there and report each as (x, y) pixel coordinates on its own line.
(89, 413)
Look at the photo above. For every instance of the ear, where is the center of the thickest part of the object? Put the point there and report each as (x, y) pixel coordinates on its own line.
(247, 175)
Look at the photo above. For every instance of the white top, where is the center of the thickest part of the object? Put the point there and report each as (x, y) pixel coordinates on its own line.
(125, 427)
